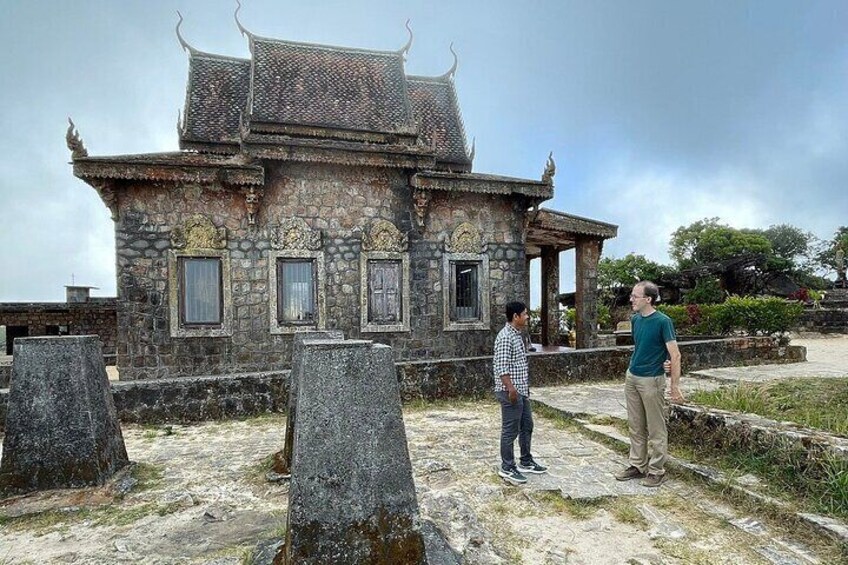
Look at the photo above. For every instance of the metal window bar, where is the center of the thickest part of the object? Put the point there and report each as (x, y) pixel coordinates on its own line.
(466, 291)
(202, 297)
(296, 292)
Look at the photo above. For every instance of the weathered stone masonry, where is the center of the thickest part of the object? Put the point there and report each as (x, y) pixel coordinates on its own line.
(287, 158)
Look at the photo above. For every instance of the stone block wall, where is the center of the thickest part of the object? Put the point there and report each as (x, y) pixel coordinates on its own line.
(234, 396)
(341, 202)
(824, 320)
(96, 317)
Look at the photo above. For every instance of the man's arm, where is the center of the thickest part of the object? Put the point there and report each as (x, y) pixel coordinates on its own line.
(510, 388)
(674, 356)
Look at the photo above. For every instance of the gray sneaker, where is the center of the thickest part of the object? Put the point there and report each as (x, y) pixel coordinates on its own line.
(532, 467)
(512, 476)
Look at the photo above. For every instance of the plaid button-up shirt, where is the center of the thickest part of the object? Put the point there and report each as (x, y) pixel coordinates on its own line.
(511, 359)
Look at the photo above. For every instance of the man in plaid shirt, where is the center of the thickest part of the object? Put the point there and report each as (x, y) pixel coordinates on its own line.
(512, 388)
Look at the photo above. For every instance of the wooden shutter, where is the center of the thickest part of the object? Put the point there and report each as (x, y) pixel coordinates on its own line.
(384, 293)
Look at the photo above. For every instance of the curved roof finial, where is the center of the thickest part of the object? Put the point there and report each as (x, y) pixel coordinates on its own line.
(550, 170)
(405, 49)
(473, 148)
(241, 28)
(75, 144)
(452, 71)
(186, 47)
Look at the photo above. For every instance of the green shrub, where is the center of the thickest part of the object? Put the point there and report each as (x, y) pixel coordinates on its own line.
(751, 315)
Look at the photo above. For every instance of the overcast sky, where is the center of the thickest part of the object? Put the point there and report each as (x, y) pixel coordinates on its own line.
(658, 113)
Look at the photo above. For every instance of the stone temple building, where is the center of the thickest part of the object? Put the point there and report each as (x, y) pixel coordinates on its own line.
(321, 187)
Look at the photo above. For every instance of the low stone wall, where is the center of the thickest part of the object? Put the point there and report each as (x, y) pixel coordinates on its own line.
(472, 377)
(824, 320)
(188, 399)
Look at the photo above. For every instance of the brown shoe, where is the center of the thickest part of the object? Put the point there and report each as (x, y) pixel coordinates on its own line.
(652, 480)
(629, 474)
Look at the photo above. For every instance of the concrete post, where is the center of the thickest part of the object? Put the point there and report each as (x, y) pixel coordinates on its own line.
(588, 255)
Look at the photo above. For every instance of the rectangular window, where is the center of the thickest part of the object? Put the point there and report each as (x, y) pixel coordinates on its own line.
(201, 297)
(465, 291)
(296, 302)
(384, 294)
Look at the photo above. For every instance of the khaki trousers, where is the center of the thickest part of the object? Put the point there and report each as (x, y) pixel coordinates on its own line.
(646, 418)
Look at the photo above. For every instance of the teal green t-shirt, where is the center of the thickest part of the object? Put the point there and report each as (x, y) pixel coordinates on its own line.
(650, 334)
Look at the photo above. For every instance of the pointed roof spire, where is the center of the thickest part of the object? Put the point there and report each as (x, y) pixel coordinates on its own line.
(186, 47)
(452, 71)
(550, 170)
(405, 49)
(241, 28)
(75, 144)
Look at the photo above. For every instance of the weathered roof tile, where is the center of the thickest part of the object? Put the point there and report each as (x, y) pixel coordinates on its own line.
(216, 95)
(314, 85)
(434, 105)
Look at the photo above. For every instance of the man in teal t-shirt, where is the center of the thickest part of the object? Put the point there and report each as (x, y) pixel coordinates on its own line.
(644, 386)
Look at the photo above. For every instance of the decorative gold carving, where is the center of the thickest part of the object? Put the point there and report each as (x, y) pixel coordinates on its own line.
(384, 236)
(550, 170)
(198, 232)
(75, 144)
(252, 199)
(106, 190)
(420, 201)
(295, 233)
(466, 238)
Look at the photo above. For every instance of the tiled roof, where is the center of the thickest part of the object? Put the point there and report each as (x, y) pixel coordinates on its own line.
(435, 107)
(314, 85)
(176, 166)
(216, 94)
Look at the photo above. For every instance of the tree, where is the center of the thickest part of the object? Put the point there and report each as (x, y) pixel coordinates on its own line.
(708, 241)
(827, 255)
(628, 270)
(792, 249)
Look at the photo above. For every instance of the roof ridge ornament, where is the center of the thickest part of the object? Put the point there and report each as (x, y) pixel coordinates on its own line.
(241, 28)
(75, 144)
(550, 170)
(473, 149)
(183, 43)
(405, 49)
(452, 71)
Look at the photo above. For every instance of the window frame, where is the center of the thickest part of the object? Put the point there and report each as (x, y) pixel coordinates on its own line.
(449, 263)
(279, 326)
(181, 262)
(368, 257)
(176, 295)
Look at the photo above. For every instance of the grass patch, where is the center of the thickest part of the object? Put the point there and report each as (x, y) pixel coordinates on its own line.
(813, 403)
(148, 476)
(809, 482)
(581, 509)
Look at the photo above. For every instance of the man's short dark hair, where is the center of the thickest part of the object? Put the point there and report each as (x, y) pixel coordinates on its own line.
(651, 290)
(514, 308)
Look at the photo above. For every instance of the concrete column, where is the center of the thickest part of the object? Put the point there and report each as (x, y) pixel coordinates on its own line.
(550, 292)
(588, 254)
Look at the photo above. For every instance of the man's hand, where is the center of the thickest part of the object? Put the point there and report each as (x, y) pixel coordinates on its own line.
(513, 395)
(677, 396)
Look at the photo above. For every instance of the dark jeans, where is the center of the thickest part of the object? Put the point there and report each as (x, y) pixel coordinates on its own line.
(516, 421)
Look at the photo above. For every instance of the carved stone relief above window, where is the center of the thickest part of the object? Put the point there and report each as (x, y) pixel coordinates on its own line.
(384, 236)
(295, 233)
(466, 238)
(198, 232)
